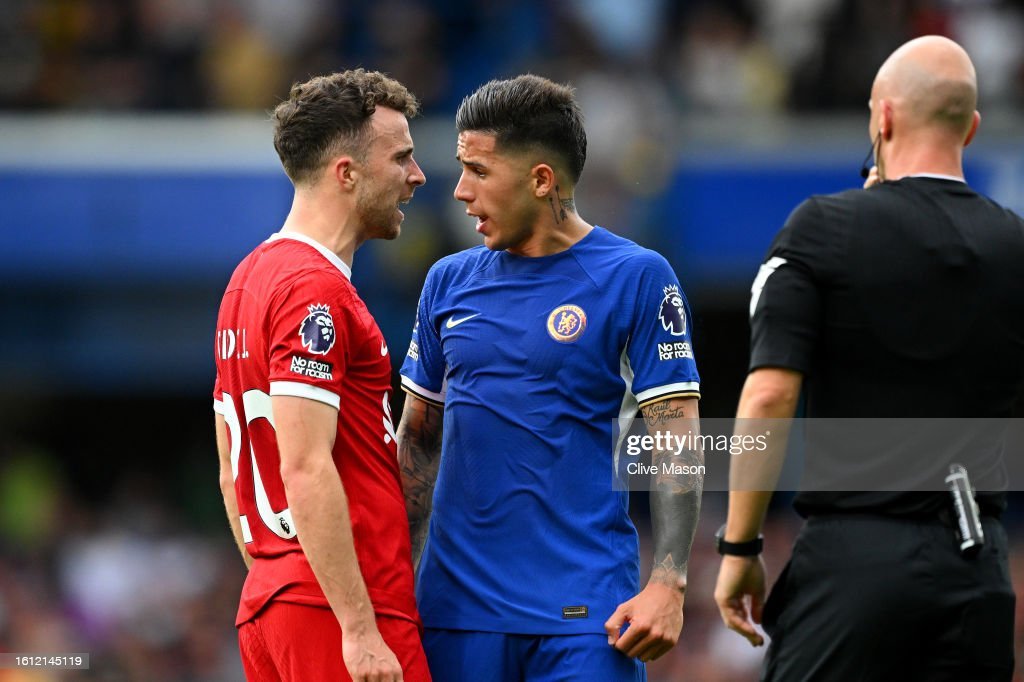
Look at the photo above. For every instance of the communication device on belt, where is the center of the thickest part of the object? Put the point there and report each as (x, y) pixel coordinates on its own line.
(968, 519)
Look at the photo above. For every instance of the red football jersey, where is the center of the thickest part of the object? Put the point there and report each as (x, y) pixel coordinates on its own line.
(291, 323)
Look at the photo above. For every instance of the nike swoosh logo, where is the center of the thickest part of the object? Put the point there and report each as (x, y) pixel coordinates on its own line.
(383, 348)
(452, 322)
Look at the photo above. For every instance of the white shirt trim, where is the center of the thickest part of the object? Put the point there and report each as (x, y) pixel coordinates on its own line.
(413, 387)
(246, 531)
(763, 273)
(681, 387)
(300, 390)
(218, 406)
(939, 176)
(627, 412)
(324, 251)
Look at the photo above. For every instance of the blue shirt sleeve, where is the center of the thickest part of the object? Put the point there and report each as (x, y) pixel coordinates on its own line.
(660, 348)
(423, 369)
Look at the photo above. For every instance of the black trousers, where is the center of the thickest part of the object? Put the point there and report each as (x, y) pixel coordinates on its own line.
(866, 598)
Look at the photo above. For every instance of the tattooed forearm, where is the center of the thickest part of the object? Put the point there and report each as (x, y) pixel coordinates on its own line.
(676, 487)
(675, 508)
(661, 413)
(678, 472)
(419, 454)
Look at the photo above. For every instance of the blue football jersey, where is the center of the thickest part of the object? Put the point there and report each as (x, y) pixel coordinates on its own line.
(533, 360)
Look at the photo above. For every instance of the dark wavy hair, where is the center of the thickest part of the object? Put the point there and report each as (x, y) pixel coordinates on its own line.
(529, 112)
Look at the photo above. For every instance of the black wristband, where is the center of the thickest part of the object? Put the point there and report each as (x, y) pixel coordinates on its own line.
(748, 548)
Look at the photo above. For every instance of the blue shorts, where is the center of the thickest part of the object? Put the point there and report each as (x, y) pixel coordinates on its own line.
(469, 656)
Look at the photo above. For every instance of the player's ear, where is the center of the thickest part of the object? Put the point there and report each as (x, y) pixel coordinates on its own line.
(542, 179)
(344, 172)
(973, 129)
(885, 122)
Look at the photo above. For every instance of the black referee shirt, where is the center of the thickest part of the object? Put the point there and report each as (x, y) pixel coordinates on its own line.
(905, 300)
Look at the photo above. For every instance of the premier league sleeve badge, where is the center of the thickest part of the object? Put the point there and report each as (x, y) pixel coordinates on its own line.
(317, 330)
(672, 313)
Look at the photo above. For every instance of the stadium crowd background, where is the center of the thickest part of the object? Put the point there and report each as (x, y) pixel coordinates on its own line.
(112, 537)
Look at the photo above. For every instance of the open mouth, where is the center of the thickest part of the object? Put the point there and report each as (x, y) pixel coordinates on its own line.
(481, 221)
(402, 202)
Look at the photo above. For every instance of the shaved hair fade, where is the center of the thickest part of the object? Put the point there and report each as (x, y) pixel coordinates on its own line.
(330, 115)
(529, 112)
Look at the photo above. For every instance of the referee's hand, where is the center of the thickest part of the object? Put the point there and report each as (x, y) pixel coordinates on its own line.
(873, 178)
(740, 595)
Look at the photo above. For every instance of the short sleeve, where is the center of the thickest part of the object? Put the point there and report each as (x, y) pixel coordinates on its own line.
(310, 326)
(785, 301)
(660, 347)
(218, 396)
(423, 369)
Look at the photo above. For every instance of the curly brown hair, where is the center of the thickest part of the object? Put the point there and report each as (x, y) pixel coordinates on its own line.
(330, 115)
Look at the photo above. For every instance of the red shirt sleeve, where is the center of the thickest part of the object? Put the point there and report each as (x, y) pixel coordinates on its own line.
(218, 396)
(309, 329)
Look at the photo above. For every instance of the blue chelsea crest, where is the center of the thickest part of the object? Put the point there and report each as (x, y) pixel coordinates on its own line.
(566, 323)
(672, 313)
(317, 330)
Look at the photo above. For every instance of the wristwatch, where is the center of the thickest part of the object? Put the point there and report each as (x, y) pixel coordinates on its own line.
(748, 548)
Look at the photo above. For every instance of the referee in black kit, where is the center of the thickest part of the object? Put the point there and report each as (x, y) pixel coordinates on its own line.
(904, 299)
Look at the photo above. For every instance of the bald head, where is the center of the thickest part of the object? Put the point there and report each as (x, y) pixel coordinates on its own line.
(931, 82)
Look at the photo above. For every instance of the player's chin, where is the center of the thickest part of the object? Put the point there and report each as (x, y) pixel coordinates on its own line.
(391, 229)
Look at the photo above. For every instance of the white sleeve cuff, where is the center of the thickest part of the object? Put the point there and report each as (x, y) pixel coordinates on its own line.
(301, 390)
(414, 388)
(681, 389)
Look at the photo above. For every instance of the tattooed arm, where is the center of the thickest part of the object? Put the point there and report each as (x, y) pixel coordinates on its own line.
(655, 616)
(419, 453)
(675, 491)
